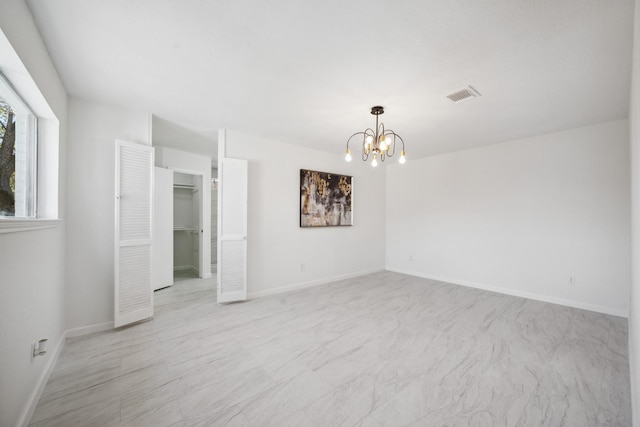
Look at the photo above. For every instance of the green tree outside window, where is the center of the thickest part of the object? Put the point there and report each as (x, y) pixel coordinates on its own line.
(7, 158)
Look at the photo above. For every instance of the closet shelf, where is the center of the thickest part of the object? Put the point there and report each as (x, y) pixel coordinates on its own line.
(185, 187)
(185, 229)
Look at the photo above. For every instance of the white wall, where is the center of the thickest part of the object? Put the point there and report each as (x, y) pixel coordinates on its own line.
(173, 135)
(634, 316)
(32, 276)
(520, 217)
(181, 160)
(277, 246)
(93, 129)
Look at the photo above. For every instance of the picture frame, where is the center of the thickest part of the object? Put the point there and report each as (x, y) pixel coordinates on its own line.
(326, 199)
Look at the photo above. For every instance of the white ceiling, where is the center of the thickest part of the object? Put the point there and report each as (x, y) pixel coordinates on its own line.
(308, 72)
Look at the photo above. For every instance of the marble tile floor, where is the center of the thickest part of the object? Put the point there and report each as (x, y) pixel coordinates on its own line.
(378, 350)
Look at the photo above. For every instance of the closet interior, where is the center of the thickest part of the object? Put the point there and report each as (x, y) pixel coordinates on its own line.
(186, 225)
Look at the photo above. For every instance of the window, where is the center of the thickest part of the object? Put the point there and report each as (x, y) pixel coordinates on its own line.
(18, 155)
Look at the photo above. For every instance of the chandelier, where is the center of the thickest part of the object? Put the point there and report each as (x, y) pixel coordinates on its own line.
(379, 143)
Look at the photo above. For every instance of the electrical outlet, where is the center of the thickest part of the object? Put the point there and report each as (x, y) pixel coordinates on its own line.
(39, 348)
(301, 267)
(572, 281)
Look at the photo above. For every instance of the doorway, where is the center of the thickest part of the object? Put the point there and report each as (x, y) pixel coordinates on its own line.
(187, 225)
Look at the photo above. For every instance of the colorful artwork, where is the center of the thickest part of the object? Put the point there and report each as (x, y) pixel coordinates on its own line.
(325, 199)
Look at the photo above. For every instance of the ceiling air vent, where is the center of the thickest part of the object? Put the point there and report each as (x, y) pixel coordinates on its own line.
(463, 94)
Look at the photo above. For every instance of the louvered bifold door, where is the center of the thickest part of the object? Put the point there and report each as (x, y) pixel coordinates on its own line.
(232, 244)
(134, 178)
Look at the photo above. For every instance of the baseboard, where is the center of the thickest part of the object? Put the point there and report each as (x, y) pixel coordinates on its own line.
(635, 386)
(635, 378)
(507, 291)
(207, 276)
(311, 283)
(182, 267)
(34, 398)
(85, 330)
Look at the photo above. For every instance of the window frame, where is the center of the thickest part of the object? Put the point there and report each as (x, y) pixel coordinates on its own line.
(27, 137)
(48, 103)
(15, 225)
(12, 224)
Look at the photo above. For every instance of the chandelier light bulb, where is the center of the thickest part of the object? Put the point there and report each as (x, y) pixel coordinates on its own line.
(368, 140)
(374, 163)
(403, 158)
(383, 143)
(348, 156)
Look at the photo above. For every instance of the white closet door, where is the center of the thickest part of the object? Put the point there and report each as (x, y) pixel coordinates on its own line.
(232, 240)
(162, 253)
(133, 234)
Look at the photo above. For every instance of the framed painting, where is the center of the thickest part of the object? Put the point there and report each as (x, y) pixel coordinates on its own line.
(325, 199)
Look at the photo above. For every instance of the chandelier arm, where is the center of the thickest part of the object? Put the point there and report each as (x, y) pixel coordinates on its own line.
(367, 132)
(403, 151)
(392, 147)
(357, 133)
(379, 134)
(395, 135)
(364, 151)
